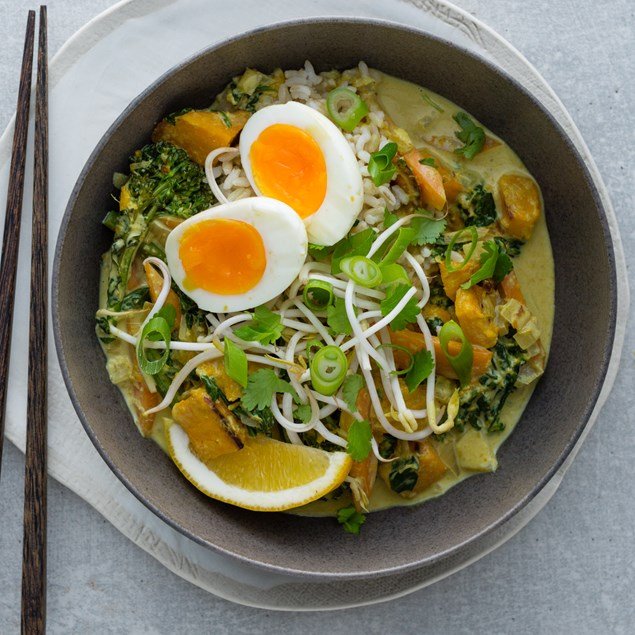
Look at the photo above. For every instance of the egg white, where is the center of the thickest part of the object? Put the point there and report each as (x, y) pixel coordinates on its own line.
(344, 187)
(285, 241)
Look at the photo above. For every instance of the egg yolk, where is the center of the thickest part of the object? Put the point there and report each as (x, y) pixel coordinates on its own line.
(222, 256)
(288, 165)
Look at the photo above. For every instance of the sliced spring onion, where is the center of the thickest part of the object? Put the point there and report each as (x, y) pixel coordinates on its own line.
(362, 270)
(449, 266)
(312, 345)
(411, 358)
(462, 361)
(318, 295)
(380, 167)
(236, 365)
(405, 236)
(394, 273)
(157, 329)
(345, 108)
(328, 369)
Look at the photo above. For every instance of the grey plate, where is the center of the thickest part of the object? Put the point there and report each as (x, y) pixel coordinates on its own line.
(401, 539)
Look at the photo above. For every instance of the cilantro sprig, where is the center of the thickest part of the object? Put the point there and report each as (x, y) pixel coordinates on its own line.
(350, 519)
(495, 263)
(422, 365)
(471, 135)
(359, 438)
(407, 315)
(265, 327)
(261, 387)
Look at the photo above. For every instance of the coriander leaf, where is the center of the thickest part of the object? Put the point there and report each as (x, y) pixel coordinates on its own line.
(303, 413)
(236, 365)
(428, 161)
(337, 318)
(265, 327)
(261, 387)
(494, 264)
(359, 436)
(350, 390)
(320, 252)
(407, 315)
(421, 367)
(427, 230)
(350, 519)
(471, 135)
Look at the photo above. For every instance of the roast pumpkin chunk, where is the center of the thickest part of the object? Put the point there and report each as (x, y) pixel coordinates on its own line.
(521, 205)
(198, 132)
(211, 427)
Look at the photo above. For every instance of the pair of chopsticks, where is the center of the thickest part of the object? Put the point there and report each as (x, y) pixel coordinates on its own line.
(34, 539)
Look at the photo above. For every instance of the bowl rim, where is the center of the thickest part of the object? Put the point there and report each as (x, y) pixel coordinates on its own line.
(591, 400)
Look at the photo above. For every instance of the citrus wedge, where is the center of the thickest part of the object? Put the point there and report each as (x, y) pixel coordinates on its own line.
(265, 475)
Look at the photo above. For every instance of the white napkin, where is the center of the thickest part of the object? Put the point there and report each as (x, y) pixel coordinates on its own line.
(92, 79)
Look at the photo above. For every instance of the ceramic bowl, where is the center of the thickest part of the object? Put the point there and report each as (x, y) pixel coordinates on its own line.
(396, 540)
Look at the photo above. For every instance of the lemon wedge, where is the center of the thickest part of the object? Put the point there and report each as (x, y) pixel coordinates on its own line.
(265, 475)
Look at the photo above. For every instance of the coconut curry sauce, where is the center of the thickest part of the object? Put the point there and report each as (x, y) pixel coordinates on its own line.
(487, 204)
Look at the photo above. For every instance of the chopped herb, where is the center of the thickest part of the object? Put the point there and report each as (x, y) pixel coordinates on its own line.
(265, 327)
(350, 519)
(380, 166)
(422, 366)
(359, 437)
(471, 135)
(407, 315)
(261, 387)
(350, 390)
(303, 413)
(427, 230)
(337, 318)
(495, 263)
(404, 474)
(428, 161)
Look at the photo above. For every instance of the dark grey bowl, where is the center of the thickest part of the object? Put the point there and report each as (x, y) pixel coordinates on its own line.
(391, 541)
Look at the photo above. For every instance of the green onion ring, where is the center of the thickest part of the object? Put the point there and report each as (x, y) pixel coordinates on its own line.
(362, 270)
(345, 108)
(462, 361)
(156, 329)
(328, 369)
(310, 346)
(450, 268)
(314, 291)
(405, 350)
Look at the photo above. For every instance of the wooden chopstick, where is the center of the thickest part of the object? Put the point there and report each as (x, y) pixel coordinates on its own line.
(35, 494)
(11, 236)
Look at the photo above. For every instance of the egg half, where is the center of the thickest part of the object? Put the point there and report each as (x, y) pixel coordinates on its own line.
(239, 255)
(296, 155)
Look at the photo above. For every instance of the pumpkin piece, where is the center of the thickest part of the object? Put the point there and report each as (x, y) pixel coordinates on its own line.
(414, 342)
(428, 179)
(142, 400)
(155, 284)
(431, 311)
(521, 205)
(478, 327)
(453, 280)
(431, 467)
(211, 427)
(198, 132)
(216, 370)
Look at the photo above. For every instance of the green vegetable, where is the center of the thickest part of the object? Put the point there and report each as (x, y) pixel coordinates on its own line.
(158, 328)
(392, 252)
(494, 264)
(350, 390)
(389, 219)
(318, 295)
(394, 273)
(303, 413)
(481, 403)
(426, 230)
(407, 315)
(346, 108)
(328, 369)
(350, 519)
(428, 161)
(462, 361)
(471, 135)
(361, 270)
(477, 207)
(358, 244)
(449, 263)
(387, 446)
(265, 327)
(337, 318)
(236, 363)
(359, 437)
(135, 299)
(404, 474)
(261, 387)
(422, 367)
(380, 167)
(406, 352)
(163, 182)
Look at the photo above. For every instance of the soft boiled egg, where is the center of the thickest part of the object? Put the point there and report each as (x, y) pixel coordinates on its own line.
(239, 255)
(296, 155)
